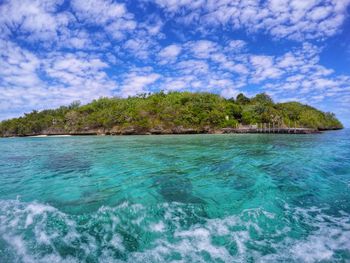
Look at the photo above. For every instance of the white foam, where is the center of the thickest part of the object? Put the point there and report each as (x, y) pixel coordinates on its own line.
(19, 246)
(117, 242)
(158, 227)
(192, 242)
(322, 243)
(35, 209)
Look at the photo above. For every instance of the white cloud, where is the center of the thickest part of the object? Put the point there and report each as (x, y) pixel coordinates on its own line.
(229, 93)
(288, 61)
(36, 18)
(112, 16)
(305, 79)
(98, 11)
(235, 45)
(18, 67)
(264, 68)
(319, 13)
(176, 84)
(169, 54)
(215, 68)
(201, 48)
(137, 83)
(176, 5)
(192, 66)
(140, 48)
(295, 19)
(171, 51)
(62, 23)
(154, 27)
(120, 27)
(32, 82)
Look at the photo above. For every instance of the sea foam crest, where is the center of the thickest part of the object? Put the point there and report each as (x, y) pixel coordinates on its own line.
(35, 232)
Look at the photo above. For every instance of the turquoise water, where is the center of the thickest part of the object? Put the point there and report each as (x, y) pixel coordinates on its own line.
(195, 198)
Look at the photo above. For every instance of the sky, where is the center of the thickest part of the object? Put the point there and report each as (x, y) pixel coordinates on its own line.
(55, 52)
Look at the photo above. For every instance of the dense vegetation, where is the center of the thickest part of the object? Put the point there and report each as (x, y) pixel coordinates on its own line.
(167, 113)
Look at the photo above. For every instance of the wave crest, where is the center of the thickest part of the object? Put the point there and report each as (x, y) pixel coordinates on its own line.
(35, 232)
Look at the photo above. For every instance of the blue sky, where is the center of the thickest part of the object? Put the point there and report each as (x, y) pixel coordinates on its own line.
(55, 52)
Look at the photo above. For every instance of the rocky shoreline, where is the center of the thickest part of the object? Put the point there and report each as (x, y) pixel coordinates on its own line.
(167, 131)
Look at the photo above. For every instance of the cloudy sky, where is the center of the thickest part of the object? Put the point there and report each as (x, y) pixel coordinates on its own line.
(53, 52)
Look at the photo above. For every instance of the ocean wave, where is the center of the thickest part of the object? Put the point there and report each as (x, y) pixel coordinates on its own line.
(36, 232)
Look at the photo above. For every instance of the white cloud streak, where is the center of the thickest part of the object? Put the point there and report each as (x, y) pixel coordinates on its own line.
(295, 19)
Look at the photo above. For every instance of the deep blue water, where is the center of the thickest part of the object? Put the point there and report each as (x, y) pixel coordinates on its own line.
(195, 198)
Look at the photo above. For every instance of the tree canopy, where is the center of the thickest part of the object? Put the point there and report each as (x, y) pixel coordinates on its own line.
(145, 112)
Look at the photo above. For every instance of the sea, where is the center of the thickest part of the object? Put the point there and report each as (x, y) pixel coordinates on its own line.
(176, 198)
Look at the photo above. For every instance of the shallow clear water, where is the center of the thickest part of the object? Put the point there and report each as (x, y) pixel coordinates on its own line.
(195, 198)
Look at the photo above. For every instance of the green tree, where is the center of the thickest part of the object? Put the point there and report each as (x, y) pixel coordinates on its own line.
(242, 100)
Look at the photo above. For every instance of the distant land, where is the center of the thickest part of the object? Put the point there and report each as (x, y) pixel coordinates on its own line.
(169, 113)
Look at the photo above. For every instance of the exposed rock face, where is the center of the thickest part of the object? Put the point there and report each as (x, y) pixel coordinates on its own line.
(130, 131)
(182, 130)
(53, 131)
(159, 130)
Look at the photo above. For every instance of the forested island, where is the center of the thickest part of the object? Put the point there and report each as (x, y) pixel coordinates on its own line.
(168, 113)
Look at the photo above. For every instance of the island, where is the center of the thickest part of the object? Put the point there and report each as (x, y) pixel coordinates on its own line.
(172, 113)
